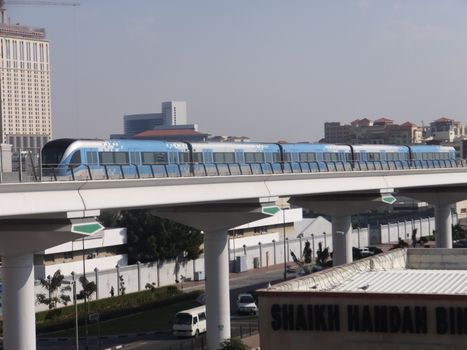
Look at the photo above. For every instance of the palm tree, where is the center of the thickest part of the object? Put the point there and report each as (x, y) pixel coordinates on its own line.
(53, 285)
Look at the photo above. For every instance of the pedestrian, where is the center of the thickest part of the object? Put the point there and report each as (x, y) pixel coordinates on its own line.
(414, 237)
(112, 291)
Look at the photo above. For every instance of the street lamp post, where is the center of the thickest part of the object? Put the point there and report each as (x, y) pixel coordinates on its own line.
(73, 283)
(85, 302)
(285, 248)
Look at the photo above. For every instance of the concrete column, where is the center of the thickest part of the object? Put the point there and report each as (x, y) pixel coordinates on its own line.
(19, 319)
(443, 222)
(341, 240)
(217, 287)
(96, 274)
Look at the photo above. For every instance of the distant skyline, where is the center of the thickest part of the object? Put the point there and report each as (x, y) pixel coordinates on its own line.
(271, 70)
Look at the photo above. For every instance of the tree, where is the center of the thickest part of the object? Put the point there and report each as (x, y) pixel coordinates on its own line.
(56, 293)
(109, 218)
(89, 288)
(151, 238)
(233, 344)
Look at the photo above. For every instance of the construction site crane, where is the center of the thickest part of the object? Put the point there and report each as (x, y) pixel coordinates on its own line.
(31, 2)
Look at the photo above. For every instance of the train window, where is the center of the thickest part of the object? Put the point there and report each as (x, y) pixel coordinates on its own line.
(91, 157)
(307, 157)
(197, 157)
(372, 156)
(229, 157)
(259, 157)
(173, 157)
(106, 158)
(160, 158)
(76, 158)
(331, 157)
(276, 157)
(249, 157)
(427, 156)
(121, 157)
(219, 157)
(154, 157)
(148, 157)
(287, 157)
(184, 157)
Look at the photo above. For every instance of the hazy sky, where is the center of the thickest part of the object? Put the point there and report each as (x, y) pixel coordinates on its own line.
(270, 70)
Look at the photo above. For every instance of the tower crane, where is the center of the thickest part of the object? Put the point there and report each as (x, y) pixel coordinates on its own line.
(31, 2)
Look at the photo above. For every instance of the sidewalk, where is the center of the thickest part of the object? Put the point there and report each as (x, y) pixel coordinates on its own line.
(234, 276)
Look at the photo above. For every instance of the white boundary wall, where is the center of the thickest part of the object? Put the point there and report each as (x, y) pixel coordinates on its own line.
(390, 233)
(158, 274)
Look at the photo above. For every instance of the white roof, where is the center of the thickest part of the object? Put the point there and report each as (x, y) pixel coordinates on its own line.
(407, 281)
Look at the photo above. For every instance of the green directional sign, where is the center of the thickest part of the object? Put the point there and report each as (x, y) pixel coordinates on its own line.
(388, 198)
(270, 210)
(87, 227)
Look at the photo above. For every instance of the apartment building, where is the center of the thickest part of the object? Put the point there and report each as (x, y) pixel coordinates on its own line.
(25, 114)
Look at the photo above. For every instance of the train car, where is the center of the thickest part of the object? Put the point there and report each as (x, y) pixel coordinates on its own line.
(315, 157)
(380, 157)
(234, 158)
(117, 158)
(432, 156)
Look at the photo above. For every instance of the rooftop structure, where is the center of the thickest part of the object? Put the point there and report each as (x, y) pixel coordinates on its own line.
(173, 114)
(175, 134)
(366, 131)
(413, 298)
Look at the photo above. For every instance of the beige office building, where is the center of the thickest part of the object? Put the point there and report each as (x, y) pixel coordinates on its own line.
(24, 86)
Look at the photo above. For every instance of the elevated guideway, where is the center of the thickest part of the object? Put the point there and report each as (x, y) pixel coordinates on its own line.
(213, 204)
(36, 198)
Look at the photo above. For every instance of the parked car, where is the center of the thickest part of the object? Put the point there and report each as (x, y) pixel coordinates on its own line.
(461, 243)
(246, 304)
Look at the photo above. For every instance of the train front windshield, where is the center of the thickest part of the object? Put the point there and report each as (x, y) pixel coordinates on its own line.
(52, 152)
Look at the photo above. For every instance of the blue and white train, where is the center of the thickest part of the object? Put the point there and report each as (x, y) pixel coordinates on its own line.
(146, 158)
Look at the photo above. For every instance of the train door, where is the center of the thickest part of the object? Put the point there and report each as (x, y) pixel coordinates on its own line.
(382, 159)
(239, 156)
(173, 169)
(209, 162)
(342, 160)
(294, 162)
(266, 166)
(363, 160)
(90, 157)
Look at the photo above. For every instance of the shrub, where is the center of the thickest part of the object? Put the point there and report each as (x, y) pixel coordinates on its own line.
(109, 308)
(233, 344)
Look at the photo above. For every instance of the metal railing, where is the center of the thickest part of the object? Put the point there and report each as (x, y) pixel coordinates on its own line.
(30, 169)
(199, 343)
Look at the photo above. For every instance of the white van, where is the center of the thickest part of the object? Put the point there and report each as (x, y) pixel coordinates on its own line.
(190, 323)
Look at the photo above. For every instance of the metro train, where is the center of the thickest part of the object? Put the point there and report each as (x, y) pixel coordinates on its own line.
(144, 158)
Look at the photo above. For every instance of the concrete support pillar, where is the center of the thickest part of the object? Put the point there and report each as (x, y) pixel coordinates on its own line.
(215, 220)
(217, 287)
(443, 225)
(341, 240)
(19, 319)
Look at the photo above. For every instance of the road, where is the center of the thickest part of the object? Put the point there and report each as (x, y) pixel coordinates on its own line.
(243, 282)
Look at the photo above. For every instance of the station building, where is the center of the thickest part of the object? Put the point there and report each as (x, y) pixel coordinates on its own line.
(404, 299)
